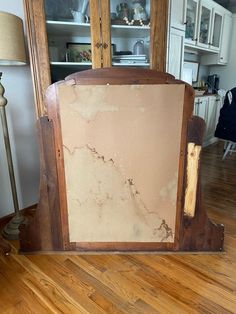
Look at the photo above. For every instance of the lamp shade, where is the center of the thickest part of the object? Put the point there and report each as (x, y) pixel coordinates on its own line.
(12, 46)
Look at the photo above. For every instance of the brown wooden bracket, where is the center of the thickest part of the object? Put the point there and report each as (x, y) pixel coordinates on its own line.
(43, 231)
(198, 232)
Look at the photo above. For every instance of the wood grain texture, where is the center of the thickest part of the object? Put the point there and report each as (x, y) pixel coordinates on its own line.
(38, 51)
(198, 232)
(100, 41)
(193, 234)
(193, 155)
(44, 229)
(159, 23)
(96, 40)
(106, 33)
(137, 283)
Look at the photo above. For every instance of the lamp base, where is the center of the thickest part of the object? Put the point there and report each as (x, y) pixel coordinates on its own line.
(11, 230)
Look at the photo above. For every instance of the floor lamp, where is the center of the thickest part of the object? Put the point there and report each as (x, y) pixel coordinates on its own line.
(12, 52)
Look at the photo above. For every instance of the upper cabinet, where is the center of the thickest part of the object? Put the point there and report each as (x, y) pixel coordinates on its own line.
(221, 58)
(204, 24)
(74, 35)
(191, 21)
(216, 30)
(177, 14)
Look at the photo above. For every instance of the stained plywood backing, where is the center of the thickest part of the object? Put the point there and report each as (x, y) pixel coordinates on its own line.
(121, 185)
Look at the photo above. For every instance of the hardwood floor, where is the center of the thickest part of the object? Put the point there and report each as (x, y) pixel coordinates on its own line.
(139, 283)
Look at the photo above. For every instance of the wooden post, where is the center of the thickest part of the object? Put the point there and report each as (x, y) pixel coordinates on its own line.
(106, 33)
(95, 26)
(159, 26)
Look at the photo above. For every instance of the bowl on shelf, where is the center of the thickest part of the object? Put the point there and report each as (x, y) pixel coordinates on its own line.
(199, 92)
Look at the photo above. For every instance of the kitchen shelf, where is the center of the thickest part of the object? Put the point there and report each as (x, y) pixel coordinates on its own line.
(130, 31)
(71, 64)
(144, 64)
(60, 28)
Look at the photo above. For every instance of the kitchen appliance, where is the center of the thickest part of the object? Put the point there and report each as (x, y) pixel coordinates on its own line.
(213, 83)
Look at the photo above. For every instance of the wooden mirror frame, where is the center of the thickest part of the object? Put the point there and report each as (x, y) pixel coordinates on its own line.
(48, 229)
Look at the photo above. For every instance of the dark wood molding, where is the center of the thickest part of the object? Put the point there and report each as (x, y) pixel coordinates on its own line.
(44, 230)
(49, 231)
(199, 233)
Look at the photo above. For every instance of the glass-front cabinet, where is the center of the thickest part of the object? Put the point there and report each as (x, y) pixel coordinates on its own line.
(73, 36)
(204, 27)
(66, 36)
(204, 24)
(216, 30)
(191, 21)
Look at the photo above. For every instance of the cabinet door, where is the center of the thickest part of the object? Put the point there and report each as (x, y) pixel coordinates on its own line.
(204, 27)
(176, 52)
(139, 33)
(196, 106)
(71, 47)
(191, 16)
(201, 111)
(130, 33)
(211, 118)
(216, 29)
(177, 14)
(226, 36)
(219, 104)
(68, 36)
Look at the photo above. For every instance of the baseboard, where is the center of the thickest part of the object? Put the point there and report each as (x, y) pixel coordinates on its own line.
(25, 211)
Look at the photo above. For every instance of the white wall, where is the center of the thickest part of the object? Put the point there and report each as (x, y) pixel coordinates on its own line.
(227, 73)
(21, 121)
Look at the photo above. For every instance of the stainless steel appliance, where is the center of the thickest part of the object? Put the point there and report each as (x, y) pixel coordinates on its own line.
(213, 83)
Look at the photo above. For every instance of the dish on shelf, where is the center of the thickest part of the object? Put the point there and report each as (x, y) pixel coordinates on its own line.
(135, 23)
(199, 92)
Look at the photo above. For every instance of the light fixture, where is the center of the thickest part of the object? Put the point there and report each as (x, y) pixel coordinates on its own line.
(12, 52)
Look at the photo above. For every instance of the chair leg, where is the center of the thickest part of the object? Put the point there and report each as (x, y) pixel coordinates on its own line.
(232, 150)
(229, 144)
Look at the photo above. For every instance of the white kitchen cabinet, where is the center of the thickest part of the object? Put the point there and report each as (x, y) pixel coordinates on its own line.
(176, 52)
(191, 20)
(216, 28)
(210, 119)
(221, 58)
(208, 27)
(177, 14)
(204, 24)
(208, 108)
(201, 107)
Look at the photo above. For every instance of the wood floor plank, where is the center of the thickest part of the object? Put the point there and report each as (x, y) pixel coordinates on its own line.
(137, 283)
(128, 288)
(61, 298)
